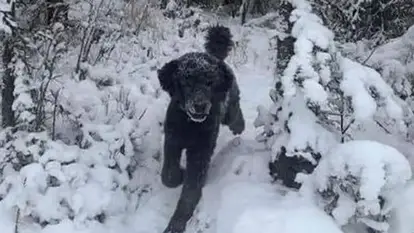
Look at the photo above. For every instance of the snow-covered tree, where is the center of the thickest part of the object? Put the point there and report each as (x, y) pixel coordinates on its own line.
(322, 99)
(335, 92)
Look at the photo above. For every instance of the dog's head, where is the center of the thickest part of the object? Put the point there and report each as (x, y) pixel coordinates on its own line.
(196, 81)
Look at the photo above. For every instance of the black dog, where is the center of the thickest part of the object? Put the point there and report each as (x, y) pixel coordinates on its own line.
(204, 94)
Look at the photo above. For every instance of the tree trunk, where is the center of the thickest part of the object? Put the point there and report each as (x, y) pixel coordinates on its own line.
(163, 4)
(7, 91)
(57, 11)
(8, 85)
(285, 49)
(245, 10)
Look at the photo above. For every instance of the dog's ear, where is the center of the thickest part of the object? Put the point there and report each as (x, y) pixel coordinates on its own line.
(226, 80)
(166, 76)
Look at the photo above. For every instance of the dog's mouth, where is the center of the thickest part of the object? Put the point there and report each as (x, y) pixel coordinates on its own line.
(198, 111)
(196, 117)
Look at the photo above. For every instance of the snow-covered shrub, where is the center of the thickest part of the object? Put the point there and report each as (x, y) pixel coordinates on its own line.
(358, 180)
(52, 182)
(394, 61)
(296, 140)
(353, 20)
(6, 17)
(329, 92)
(96, 150)
(109, 153)
(391, 60)
(291, 130)
(20, 149)
(34, 75)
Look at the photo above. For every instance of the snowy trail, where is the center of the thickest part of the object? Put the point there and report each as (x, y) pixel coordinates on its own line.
(239, 159)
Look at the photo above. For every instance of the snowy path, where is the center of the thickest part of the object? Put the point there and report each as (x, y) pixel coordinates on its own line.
(238, 197)
(245, 162)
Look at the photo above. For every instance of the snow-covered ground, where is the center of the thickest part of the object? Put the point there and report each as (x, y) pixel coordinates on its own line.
(240, 164)
(238, 196)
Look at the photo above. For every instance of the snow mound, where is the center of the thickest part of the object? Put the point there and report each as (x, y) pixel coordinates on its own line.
(403, 211)
(357, 177)
(257, 207)
(292, 219)
(380, 167)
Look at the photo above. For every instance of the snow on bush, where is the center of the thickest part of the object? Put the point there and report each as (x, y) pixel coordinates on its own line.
(393, 61)
(298, 143)
(6, 20)
(354, 20)
(358, 179)
(367, 89)
(309, 33)
(49, 181)
(320, 99)
(286, 122)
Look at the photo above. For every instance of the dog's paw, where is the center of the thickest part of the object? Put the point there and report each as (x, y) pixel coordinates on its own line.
(172, 231)
(175, 228)
(172, 178)
(238, 127)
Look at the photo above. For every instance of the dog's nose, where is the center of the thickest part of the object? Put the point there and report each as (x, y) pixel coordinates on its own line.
(201, 107)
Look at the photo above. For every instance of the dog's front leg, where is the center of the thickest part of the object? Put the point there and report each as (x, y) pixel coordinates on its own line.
(237, 123)
(195, 177)
(233, 115)
(172, 174)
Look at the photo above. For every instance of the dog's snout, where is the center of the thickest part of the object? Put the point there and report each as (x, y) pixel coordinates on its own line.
(199, 103)
(201, 107)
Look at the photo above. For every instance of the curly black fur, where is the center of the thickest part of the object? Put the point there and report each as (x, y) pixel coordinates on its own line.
(204, 94)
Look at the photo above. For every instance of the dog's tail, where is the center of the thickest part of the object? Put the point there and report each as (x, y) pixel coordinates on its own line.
(218, 41)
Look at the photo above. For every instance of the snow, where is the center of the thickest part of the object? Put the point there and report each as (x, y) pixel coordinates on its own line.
(311, 26)
(5, 22)
(379, 171)
(380, 166)
(260, 209)
(305, 131)
(310, 33)
(357, 80)
(403, 212)
(265, 219)
(236, 159)
(393, 61)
